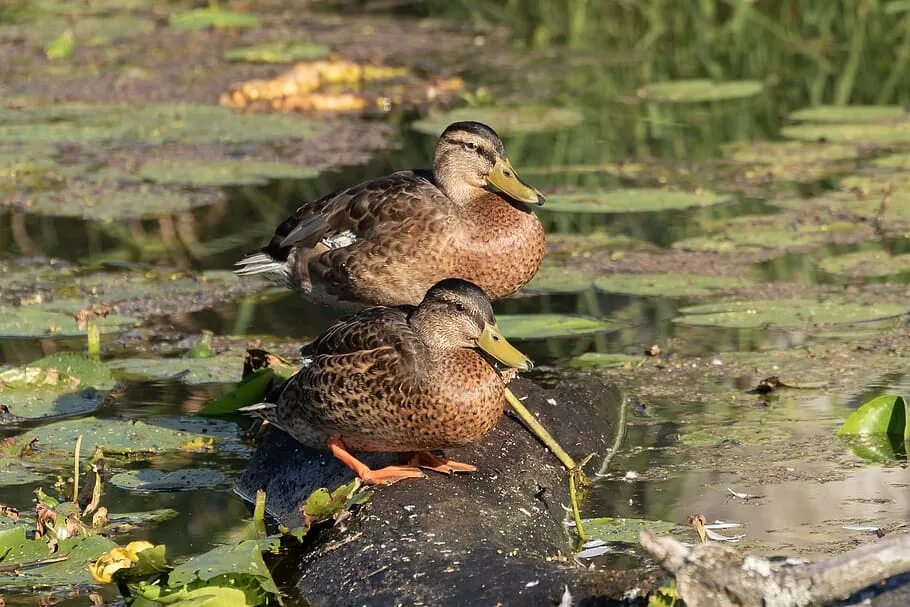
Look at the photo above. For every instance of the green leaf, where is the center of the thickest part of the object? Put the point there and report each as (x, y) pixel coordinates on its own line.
(322, 505)
(633, 200)
(827, 114)
(882, 415)
(505, 120)
(211, 16)
(202, 173)
(149, 479)
(251, 390)
(699, 91)
(43, 320)
(61, 47)
(786, 313)
(280, 51)
(219, 369)
(541, 326)
(17, 550)
(670, 285)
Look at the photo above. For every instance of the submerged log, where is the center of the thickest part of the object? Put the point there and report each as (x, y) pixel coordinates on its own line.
(714, 575)
(496, 536)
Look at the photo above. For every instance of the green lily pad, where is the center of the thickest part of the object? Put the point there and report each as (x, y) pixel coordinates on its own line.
(212, 16)
(15, 473)
(603, 360)
(151, 284)
(126, 522)
(635, 200)
(202, 173)
(594, 241)
(699, 91)
(786, 313)
(850, 113)
(154, 124)
(76, 553)
(854, 132)
(281, 51)
(507, 120)
(45, 320)
(790, 152)
(251, 390)
(59, 385)
(559, 279)
(623, 530)
(741, 434)
(219, 369)
(867, 264)
(885, 414)
(179, 480)
(541, 326)
(115, 436)
(670, 285)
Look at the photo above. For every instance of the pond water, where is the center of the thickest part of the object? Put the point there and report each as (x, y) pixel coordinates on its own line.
(785, 226)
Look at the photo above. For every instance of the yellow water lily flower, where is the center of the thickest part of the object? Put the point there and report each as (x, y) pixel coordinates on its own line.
(108, 564)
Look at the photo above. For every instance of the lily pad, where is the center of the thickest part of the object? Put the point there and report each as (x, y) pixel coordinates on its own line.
(790, 152)
(202, 173)
(179, 480)
(220, 369)
(126, 522)
(670, 285)
(541, 326)
(850, 113)
(633, 200)
(593, 241)
(885, 414)
(787, 313)
(853, 132)
(281, 51)
(866, 264)
(506, 120)
(212, 16)
(603, 360)
(226, 566)
(75, 553)
(115, 436)
(559, 279)
(893, 161)
(45, 320)
(61, 384)
(154, 124)
(623, 530)
(699, 91)
(741, 434)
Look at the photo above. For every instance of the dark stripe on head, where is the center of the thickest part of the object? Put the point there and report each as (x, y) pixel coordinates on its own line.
(475, 128)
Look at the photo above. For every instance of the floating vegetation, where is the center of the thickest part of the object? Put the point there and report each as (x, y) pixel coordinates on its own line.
(866, 264)
(670, 285)
(154, 124)
(201, 173)
(790, 152)
(505, 120)
(787, 313)
(880, 429)
(541, 326)
(553, 278)
(603, 360)
(739, 434)
(150, 479)
(893, 161)
(635, 200)
(218, 369)
(53, 319)
(623, 530)
(279, 51)
(212, 16)
(850, 113)
(855, 132)
(699, 91)
(61, 384)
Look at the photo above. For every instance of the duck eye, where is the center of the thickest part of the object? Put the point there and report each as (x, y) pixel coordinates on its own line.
(460, 307)
(470, 145)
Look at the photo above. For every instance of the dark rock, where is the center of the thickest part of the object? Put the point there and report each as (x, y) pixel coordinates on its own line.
(488, 538)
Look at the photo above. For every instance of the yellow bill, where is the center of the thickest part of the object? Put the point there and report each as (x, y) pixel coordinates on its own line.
(493, 343)
(504, 178)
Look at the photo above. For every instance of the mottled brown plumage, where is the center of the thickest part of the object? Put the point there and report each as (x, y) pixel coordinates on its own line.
(401, 378)
(387, 240)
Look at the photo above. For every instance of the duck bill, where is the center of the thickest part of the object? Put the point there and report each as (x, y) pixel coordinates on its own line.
(504, 178)
(493, 343)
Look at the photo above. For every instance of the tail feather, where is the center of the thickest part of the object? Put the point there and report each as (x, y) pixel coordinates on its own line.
(266, 411)
(262, 263)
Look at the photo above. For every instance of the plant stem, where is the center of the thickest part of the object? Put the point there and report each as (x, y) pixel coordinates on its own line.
(539, 431)
(76, 469)
(576, 515)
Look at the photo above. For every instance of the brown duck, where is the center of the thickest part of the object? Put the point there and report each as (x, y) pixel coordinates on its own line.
(387, 240)
(401, 378)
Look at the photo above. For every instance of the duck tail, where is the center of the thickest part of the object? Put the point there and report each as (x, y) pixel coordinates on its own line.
(261, 262)
(265, 411)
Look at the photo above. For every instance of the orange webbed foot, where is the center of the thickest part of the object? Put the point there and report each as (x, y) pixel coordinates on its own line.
(384, 476)
(425, 459)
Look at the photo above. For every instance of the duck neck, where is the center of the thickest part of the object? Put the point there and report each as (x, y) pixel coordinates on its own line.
(454, 181)
(436, 340)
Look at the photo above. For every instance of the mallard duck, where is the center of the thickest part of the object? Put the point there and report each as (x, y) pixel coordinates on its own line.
(387, 240)
(401, 378)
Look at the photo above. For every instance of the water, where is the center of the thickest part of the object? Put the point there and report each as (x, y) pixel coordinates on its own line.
(810, 485)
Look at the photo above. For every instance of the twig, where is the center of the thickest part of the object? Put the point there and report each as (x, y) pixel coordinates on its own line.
(539, 431)
(618, 439)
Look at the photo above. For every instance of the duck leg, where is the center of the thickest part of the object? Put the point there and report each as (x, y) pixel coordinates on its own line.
(384, 476)
(425, 459)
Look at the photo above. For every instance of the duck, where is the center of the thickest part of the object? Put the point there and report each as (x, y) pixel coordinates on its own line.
(386, 241)
(401, 379)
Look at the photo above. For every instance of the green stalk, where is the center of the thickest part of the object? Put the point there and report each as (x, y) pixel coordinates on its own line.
(94, 337)
(539, 431)
(576, 514)
(259, 513)
(76, 469)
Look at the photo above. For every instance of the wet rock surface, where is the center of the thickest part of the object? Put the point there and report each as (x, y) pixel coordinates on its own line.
(492, 537)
